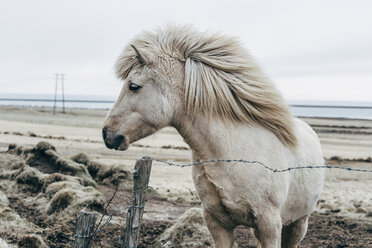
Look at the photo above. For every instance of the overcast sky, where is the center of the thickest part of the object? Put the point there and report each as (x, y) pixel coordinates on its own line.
(314, 50)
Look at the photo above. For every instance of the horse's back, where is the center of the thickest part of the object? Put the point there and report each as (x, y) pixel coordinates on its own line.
(308, 151)
(306, 184)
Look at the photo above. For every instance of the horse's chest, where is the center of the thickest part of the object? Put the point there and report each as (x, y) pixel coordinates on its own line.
(223, 200)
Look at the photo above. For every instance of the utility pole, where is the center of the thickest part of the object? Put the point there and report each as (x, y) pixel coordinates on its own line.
(63, 94)
(55, 95)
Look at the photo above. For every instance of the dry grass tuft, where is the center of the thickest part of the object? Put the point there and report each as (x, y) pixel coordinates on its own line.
(31, 241)
(189, 231)
(104, 174)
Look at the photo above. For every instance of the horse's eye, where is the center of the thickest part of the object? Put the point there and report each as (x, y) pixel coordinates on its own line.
(134, 87)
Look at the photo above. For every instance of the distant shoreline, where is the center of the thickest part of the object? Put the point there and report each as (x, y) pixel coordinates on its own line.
(349, 110)
(331, 118)
(110, 101)
(70, 108)
(57, 100)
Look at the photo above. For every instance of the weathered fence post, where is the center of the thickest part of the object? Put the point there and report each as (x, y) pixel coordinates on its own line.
(141, 176)
(84, 228)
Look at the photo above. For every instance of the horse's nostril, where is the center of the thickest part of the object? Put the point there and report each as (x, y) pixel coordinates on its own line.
(112, 140)
(104, 133)
(118, 141)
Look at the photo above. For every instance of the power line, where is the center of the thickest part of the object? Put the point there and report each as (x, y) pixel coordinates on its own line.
(55, 95)
(63, 93)
(21, 79)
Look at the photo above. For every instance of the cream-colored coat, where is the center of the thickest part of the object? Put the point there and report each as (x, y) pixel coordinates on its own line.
(223, 112)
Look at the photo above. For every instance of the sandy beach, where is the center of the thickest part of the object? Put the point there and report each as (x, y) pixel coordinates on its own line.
(347, 195)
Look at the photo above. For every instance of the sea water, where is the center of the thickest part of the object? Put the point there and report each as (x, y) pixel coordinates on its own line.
(325, 109)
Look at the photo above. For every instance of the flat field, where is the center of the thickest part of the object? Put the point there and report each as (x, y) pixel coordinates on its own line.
(343, 217)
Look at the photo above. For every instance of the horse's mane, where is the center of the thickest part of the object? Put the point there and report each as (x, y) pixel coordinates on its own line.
(221, 78)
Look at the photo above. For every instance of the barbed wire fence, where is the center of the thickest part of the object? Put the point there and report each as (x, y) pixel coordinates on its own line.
(90, 235)
(259, 163)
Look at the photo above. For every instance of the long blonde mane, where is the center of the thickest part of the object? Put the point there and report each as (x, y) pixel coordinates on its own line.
(221, 79)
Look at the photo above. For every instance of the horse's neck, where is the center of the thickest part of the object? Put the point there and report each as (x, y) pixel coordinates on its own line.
(207, 139)
(215, 140)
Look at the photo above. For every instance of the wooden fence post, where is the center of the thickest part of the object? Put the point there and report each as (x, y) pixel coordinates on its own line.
(85, 223)
(141, 176)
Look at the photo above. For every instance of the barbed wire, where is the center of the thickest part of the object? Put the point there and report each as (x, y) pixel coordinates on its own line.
(109, 218)
(258, 162)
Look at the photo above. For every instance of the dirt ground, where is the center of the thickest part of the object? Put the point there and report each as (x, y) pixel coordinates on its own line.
(343, 217)
(323, 231)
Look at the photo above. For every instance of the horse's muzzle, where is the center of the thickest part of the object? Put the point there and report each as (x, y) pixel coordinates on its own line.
(113, 140)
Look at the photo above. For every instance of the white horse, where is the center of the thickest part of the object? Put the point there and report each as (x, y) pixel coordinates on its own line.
(208, 88)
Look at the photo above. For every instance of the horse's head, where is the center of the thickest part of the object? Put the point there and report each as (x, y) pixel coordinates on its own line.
(147, 101)
(178, 72)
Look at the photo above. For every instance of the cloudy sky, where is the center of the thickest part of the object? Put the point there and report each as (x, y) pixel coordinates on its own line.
(314, 50)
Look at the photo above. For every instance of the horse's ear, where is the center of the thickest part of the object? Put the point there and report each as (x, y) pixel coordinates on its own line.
(143, 57)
